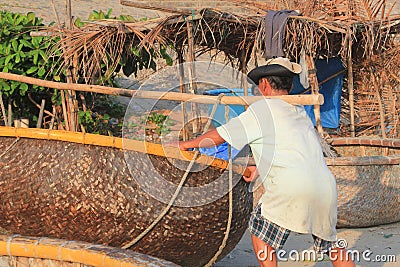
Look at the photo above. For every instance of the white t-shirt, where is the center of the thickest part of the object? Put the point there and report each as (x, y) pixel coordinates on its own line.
(300, 191)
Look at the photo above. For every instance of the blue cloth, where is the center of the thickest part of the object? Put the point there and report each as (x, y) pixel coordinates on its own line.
(331, 90)
(222, 150)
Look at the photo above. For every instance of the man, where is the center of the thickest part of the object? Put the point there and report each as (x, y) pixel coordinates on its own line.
(300, 191)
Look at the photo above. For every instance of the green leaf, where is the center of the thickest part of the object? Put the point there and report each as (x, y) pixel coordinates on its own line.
(31, 69)
(35, 57)
(8, 59)
(41, 72)
(43, 54)
(19, 20)
(78, 23)
(57, 78)
(31, 16)
(35, 42)
(14, 85)
(23, 88)
(109, 13)
(14, 44)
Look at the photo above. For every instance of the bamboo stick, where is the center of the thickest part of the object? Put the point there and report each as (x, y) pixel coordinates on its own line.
(350, 85)
(151, 7)
(182, 89)
(53, 118)
(315, 91)
(37, 105)
(229, 100)
(191, 57)
(380, 105)
(40, 118)
(64, 110)
(9, 112)
(69, 14)
(3, 110)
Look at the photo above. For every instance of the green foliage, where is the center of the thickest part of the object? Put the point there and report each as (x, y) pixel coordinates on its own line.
(161, 121)
(104, 116)
(22, 54)
(25, 55)
(100, 15)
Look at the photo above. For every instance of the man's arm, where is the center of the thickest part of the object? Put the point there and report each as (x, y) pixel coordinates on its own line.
(209, 139)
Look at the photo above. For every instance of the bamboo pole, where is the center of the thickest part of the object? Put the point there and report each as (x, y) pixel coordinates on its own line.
(182, 89)
(40, 118)
(64, 110)
(175, 96)
(151, 7)
(70, 94)
(191, 57)
(9, 112)
(312, 75)
(350, 83)
(375, 84)
(69, 13)
(3, 110)
(53, 118)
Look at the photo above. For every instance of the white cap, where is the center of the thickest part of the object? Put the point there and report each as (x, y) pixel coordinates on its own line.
(286, 63)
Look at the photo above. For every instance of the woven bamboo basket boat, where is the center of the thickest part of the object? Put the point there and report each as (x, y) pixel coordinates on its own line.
(368, 180)
(76, 186)
(19, 251)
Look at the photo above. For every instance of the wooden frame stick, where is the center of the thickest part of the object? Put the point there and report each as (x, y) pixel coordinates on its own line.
(316, 99)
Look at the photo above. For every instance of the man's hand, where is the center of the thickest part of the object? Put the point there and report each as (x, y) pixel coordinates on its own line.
(176, 144)
(253, 174)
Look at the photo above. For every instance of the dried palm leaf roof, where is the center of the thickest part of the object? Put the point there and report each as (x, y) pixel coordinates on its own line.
(364, 30)
(324, 30)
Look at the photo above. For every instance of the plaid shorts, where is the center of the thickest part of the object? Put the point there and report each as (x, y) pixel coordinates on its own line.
(276, 236)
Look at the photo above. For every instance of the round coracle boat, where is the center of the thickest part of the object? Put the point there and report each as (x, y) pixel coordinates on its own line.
(48, 252)
(76, 186)
(368, 180)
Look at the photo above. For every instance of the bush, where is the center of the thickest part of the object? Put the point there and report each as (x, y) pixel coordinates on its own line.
(25, 55)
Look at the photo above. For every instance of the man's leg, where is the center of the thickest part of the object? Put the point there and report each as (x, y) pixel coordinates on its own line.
(265, 254)
(340, 258)
(266, 236)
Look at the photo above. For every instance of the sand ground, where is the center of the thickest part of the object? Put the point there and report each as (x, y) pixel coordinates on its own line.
(381, 241)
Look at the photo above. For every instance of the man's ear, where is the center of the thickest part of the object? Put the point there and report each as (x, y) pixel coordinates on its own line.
(265, 86)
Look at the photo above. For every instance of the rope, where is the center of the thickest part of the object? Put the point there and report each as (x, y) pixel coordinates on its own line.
(180, 185)
(228, 225)
(9, 147)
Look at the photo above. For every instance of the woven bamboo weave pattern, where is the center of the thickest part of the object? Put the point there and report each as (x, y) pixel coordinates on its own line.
(82, 192)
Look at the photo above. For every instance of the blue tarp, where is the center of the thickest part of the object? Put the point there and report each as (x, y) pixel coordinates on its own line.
(222, 151)
(331, 90)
